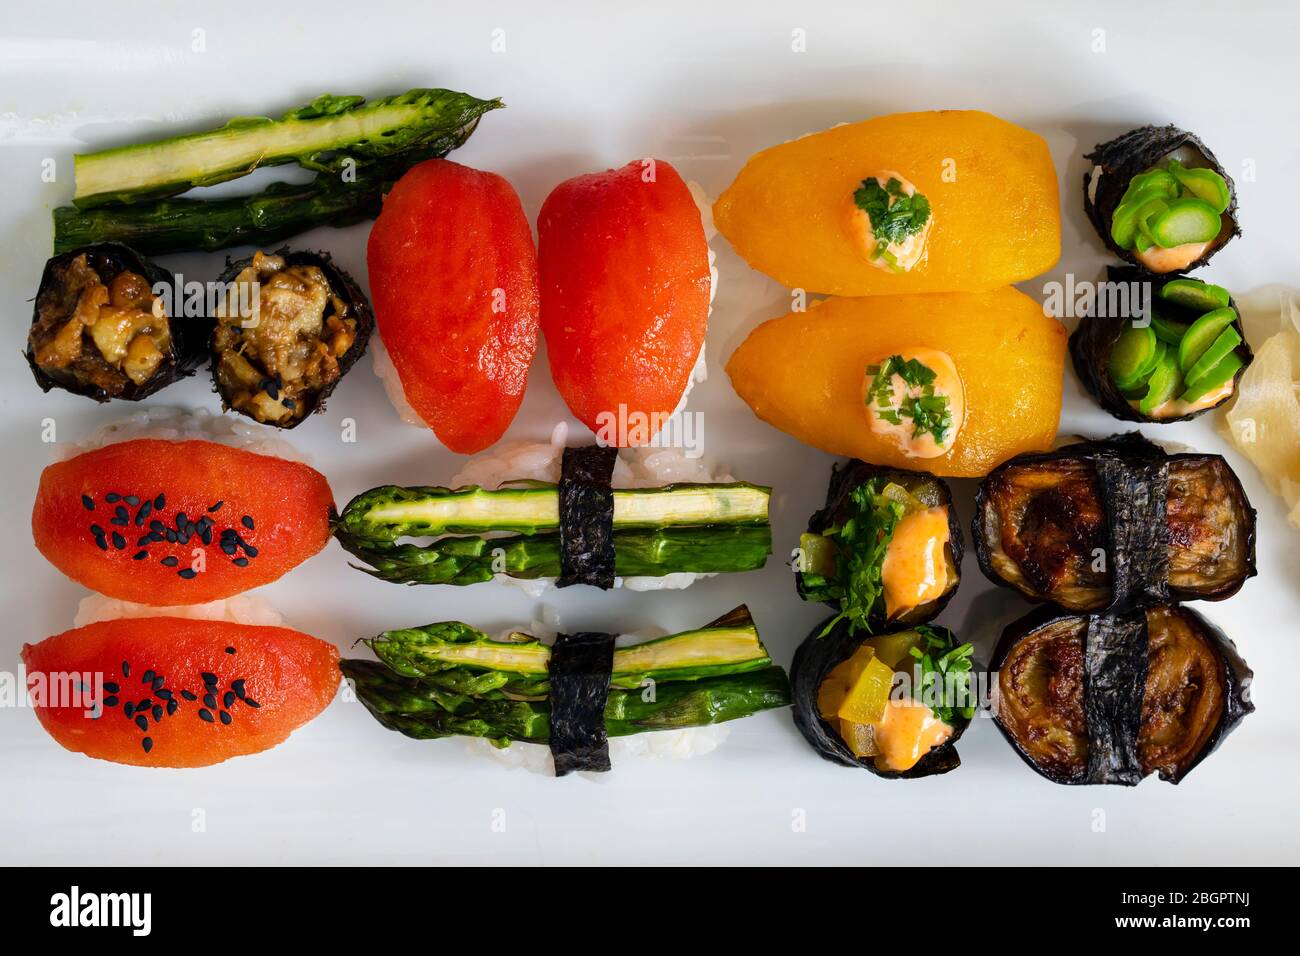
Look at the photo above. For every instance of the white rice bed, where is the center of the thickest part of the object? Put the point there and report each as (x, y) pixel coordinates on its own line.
(178, 424)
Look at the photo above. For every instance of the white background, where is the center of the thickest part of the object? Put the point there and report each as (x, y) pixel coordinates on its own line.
(590, 86)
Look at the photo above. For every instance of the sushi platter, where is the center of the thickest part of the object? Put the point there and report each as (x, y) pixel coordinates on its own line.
(419, 470)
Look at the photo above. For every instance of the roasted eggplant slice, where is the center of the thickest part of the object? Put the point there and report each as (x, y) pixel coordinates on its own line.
(292, 325)
(1160, 200)
(101, 330)
(1064, 686)
(1046, 524)
(884, 550)
(1170, 362)
(848, 705)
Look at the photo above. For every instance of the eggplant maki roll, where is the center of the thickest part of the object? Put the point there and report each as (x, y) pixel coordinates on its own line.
(894, 704)
(886, 548)
(1162, 700)
(1160, 200)
(102, 327)
(1173, 357)
(292, 325)
(1050, 525)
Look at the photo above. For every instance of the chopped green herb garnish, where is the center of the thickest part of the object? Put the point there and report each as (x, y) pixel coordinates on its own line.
(951, 665)
(894, 214)
(929, 412)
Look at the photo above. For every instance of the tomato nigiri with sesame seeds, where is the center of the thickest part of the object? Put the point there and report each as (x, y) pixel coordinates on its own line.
(623, 258)
(179, 522)
(453, 275)
(176, 691)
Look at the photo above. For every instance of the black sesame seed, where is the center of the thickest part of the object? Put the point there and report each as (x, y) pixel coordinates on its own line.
(143, 513)
(121, 513)
(157, 712)
(170, 561)
(181, 520)
(250, 550)
(225, 717)
(210, 700)
(97, 531)
(111, 687)
(140, 555)
(156, 536)
(126, 669)
(141, 541)
(205, 714)
(160, 502)
(103, 545)
(119, 542)
(110, 701)
(238, 687)
(231, 650)
(172, 707)
(189, 695)
(251, 703)
(88, 502)
(162, 692)
(144, 703)
(132, 500)
(227, 699)
(247, 522)
(128, 708)
(206, 535)
(187, 573)
(147, 744)
(112, 497)
(157, 684)
(229, 546)
(147, 677)
(171, 535)
(216, 507)
(156, 525)
(142, 721)
(240, 562)
(289, 403)
(186, 534)
(208, 677)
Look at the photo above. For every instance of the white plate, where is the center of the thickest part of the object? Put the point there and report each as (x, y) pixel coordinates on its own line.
(590, 86)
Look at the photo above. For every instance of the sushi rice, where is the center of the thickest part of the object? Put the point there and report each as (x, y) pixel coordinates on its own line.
(383, 367)
(634, 468)
(176, 424)
(241, 609)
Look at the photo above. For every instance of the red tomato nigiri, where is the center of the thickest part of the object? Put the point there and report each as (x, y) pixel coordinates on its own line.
(453, 279)
(185, 522)
(624, 267)
(175, 691)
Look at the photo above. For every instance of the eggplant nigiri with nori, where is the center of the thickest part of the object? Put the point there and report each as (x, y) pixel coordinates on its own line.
(292, 325)
(103, 326)
(626, 283)
(164, 522)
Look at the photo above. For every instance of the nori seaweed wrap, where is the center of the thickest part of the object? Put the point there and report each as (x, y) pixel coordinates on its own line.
(277, 358)
(1160, 387)
(815, 664)
(843, 555)
(1117, 163)
(1116, 697)
(100, 328)
(1116, 521)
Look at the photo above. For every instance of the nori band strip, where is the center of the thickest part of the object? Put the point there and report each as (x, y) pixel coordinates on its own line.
(587, 517)
(1132, 475)
(579, 672)
(1115, 676)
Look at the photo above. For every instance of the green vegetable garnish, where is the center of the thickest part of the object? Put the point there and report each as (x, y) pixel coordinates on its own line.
(941, 657)
(894, 214)
(929, 411)
(1168, 207)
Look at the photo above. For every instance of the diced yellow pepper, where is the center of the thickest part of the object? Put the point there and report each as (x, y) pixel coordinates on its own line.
(895, 649)
(867, 698)
(835, 686)
(860, 738)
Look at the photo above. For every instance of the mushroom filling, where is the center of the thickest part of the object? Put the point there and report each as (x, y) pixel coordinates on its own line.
(279, 344)
(105, 330)
(1045, 530)
(1041, 687)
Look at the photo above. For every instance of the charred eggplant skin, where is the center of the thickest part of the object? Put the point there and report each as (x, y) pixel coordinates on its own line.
(189, 336)
(1135, 152)
(343, 285)
(985, 530)
(1237, 676)
(930, 490)
(813, 660)
(1092, 340)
